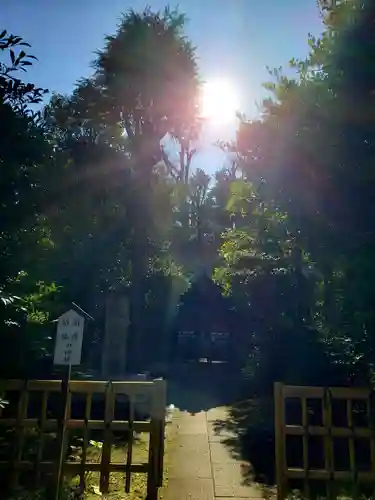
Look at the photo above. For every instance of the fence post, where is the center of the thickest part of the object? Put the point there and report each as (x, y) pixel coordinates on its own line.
(20, 434)
(65, 413)
(279, 440)
(156, 447)
(107, 440)
(161, 390)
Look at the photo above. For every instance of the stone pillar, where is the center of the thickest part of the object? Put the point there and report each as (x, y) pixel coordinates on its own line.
(115, 337)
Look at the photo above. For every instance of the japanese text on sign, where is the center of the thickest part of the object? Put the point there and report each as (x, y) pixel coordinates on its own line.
(69, 338)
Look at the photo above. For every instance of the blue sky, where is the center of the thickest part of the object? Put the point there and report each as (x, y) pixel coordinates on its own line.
(236, 39)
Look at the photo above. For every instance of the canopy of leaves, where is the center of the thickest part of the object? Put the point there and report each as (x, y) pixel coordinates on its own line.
(90, 200)
(311, 156)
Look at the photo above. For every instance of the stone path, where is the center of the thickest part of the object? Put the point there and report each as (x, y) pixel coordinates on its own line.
(202, 467)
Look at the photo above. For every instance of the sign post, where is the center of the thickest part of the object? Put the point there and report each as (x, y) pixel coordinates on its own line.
(68, 349)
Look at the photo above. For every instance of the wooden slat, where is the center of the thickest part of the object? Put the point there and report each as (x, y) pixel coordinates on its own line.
(115, 425)
(305, 447)
(107, 442)
(152, 477)
(74, 467)
(291, 391)
(138, 425)
(133, 388)
(370, 417)
(162, 403)
(112, 467)
(354, 393)
(87, 386)
(42, 423)
(279, 440)
(85, 441)
(62, 436)
(129, 453)
(344, 432)
(20, 434)
(44, 385)
(349, 413)
(97, 425)
(12, 385)
(50, 424)
(84, 386)
(315, 474)
(328, 441)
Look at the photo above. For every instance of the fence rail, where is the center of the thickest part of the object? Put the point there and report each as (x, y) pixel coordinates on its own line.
(62, 424)
(347, 430)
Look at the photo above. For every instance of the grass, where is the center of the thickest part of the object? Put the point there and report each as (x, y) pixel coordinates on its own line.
(117, 479)
(138, 484)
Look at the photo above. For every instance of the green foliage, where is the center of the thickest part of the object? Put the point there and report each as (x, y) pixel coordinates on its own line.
(85, 199)
(259, 271)
(96, 444)
(12, 90)
(91, 203)
(24, 235)
(311, 156)
(102, 210)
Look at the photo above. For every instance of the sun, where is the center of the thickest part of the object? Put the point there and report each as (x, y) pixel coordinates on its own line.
(219, 101)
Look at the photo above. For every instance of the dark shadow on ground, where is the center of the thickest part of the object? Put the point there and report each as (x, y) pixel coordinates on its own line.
(196, 387)
(247, 431)
(249, 428)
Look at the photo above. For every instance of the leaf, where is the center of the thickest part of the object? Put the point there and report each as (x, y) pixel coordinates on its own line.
(3, 33)
(96, 490)
(3, 403)
(12, 56)
(96, 444)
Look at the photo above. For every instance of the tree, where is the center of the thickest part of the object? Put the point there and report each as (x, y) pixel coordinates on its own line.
(313, 151)
(148, 76)
(13, 91)
(258, 271)
(145, 84)
(24, 234)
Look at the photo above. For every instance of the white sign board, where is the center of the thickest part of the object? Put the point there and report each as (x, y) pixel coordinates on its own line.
(69, 336)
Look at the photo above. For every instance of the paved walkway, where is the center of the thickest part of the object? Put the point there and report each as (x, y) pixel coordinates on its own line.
(202, 467)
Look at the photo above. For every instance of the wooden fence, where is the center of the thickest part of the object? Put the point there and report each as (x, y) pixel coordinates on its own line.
(329, 415)
(63, 425)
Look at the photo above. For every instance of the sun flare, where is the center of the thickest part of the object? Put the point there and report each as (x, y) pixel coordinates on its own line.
(219, 101)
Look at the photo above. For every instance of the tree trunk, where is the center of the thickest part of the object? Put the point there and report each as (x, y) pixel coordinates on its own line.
(142, 220)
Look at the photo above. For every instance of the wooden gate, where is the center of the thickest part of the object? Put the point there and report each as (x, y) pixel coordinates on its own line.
(20, 393)
(329, 415)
